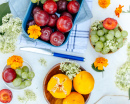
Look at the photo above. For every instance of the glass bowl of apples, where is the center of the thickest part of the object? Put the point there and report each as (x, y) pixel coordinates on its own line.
(55, 18)
(19, 78)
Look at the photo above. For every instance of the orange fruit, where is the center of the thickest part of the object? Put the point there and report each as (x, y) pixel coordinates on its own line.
(59, 86)
(74, 98)
(83, 82)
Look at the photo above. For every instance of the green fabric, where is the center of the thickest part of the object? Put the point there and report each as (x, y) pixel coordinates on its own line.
(4, 9)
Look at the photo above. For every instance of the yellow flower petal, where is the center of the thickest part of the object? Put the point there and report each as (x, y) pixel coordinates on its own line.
(15, 61)
(100, 62)
(34, 31)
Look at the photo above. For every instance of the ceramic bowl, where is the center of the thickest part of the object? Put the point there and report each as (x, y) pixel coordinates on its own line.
(10, 85)
(119, 28)
(49, 98)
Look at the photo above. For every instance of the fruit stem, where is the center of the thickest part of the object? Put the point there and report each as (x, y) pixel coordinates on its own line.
(38, 2)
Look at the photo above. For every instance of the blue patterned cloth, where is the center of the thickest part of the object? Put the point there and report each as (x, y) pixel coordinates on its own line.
(78, 38)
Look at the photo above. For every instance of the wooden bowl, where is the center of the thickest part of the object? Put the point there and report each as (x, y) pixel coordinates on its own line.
(49, 98)
(119, 28)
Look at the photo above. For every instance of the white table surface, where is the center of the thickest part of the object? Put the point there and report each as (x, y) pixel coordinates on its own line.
(103, 85)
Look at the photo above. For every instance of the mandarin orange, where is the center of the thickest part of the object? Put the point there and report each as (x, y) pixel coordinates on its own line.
(59, 86)
(74, 98)
(83, 82)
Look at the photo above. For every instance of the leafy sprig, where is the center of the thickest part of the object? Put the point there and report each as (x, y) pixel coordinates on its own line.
(128, 11)
(2, 33)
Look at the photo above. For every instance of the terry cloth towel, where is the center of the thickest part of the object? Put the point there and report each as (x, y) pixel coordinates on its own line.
(78, 38)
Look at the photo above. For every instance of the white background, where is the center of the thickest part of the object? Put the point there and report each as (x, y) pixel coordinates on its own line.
(103, 85)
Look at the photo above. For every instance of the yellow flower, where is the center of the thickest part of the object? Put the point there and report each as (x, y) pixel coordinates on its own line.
(15, 61)
(104, 3)
(100, 62)
(34, 31)
(118, 10)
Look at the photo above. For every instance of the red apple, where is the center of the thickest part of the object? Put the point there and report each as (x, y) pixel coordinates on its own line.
(57, 38)
(50, 7)
(73, 7)
(46, 33)
(36, 9)
(30, 23)
(41, 18)
(9, 75)
(64, 24)
(62, 6)
(53, 20)
(5, 96)
(67, 14)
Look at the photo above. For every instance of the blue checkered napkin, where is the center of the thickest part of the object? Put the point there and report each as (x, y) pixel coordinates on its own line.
(78, 38)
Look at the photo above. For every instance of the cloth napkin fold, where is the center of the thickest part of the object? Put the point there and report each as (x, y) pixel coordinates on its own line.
(78, 38)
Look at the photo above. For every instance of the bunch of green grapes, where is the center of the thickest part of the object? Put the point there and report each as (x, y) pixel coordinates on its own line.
(35, 1)
(106, 41)
(24, 77)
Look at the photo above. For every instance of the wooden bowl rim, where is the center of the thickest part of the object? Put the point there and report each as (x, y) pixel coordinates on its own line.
(120, 29)
(47, 76)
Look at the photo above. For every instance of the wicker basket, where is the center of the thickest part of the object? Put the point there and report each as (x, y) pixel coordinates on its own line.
(119, 28)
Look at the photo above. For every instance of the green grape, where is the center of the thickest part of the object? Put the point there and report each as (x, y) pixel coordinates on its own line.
(111, 32)
(120, 40)
(25, 69)
(100, 32)
(18, 76)
(117, 26)
(34, 1)
(116, 29)
(109, 36)
(117, 34)
(22, 85)
(31, 75)
(99, 44)
(19, 71)
(24, 75)
(114, 49)
(17, 82)
(100, 26)
(98, 49)
(105, 30)
(102, 38)
(120, 45)
(93, 43)
(93, 32)
(27, 83)
(124, 33)
(43, 1)
(105, 50)
(105, 36)
(94, 38)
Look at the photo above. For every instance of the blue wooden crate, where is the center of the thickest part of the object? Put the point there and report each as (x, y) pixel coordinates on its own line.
(28, 17)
